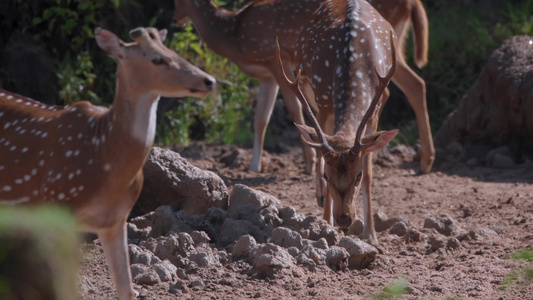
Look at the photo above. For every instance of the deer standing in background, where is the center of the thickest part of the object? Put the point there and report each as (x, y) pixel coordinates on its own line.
(246, 37)
(345, 46)
(90, 158)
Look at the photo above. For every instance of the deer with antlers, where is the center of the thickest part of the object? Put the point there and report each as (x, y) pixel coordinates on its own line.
(246, 37)
(90, 158)
(340, 54)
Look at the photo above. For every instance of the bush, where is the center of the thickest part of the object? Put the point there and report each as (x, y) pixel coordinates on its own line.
(223, 116)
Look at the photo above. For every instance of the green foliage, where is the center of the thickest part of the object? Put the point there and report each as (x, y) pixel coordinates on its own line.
(224, 116)
(37, 244)
(394, 290)
(77, 81)
(522, 275)
(66, 28)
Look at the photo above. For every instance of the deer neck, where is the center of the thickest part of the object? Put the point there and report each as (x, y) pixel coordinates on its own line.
(216, 26)
(351, 103)
(131, 123)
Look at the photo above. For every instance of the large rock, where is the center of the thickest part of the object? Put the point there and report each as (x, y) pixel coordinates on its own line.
(170, 180)
(247, 201)
(497, 109)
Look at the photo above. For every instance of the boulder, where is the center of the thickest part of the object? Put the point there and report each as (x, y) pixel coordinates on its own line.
(170, 180)
(247, 201)
(360, 253)
(497, 109)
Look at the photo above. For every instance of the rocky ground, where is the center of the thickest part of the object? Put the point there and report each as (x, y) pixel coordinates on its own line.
(450, 234)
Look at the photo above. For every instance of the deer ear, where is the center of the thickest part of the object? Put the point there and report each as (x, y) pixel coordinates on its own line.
(109, 42)
(378, 140)
(163, 34)
(307, 134)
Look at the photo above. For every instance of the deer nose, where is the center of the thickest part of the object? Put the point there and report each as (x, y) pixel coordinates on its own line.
(343, 221)
(209, 82)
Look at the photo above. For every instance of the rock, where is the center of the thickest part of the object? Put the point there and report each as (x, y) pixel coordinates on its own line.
(337, 258)
(180, 286)
(496, 110)
(286, 238)
(170, 180)
(137, 269)
(356, 228)
(232, 230)
(413, 236)
(502, 161)
(360, 253)
(318, 256)
(436, 243)
(319, 228)
(302, 259)
(134, 233)
(141, 256)
(453, 244)
(163, 220)
(456, 151)
(291, 218)
(444, 225)
(212, 223)
(244, 246)
(477, 235)
(399, 229)
(269, 259)
(165, 270)
(247, 201)
(382, 222)
(147, 277)
(197, 284)
(200, 238)
(321, 243)
(204, 257)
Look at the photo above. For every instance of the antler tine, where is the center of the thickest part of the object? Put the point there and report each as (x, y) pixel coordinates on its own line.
(295, 86)
(383, 82)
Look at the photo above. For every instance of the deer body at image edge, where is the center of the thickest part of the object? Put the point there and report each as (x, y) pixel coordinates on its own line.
(340, 55)
(90, 158)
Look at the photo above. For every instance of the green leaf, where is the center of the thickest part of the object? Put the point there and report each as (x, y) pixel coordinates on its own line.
(48, 13)
(37, 21)
(116, 3)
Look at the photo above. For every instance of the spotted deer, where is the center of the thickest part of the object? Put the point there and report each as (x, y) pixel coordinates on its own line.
(247, 38)
(90, 158)
(340, 55)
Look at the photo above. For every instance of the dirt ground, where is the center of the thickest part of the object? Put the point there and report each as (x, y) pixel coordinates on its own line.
(497, 204)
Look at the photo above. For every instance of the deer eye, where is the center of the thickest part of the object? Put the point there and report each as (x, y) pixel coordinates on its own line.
(359, 177)
(158, 61)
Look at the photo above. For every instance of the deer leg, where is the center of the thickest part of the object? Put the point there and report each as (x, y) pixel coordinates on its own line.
(369, 231)
(328, 208)
(295, 110)
(268, 90)
(414, 89)
(114, 242)
(322, 195)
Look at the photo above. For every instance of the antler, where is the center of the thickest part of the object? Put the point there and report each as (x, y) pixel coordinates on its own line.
(295, 86)
(383, 82)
